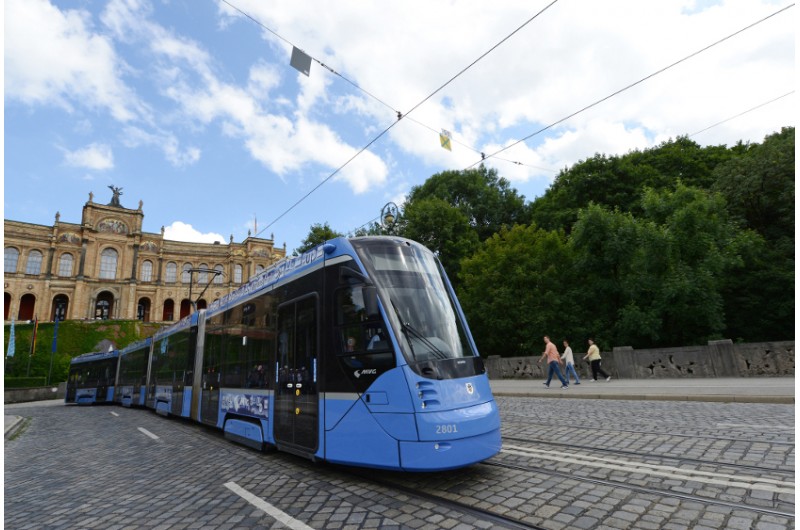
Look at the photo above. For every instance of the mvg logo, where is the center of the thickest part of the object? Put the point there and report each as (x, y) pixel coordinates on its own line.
(365, 371)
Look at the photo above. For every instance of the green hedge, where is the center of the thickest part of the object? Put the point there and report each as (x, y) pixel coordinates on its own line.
(75, 337)
(25, 382)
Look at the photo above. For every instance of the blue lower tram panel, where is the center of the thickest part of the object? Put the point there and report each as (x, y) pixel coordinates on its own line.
(436, 456)
(389, 441)
(245, 432)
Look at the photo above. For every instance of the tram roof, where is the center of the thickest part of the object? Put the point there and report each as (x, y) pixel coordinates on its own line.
(95, 356)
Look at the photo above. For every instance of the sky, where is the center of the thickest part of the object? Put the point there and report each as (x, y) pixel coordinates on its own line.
(193, 107)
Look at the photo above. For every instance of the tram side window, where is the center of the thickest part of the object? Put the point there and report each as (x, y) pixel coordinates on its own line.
(247, 338)
(214, 346)
(171, 358)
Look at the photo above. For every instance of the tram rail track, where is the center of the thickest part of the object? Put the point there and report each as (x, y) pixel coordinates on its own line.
(680, 459)
(328, 473)
(605, 428)
(641, 489)
(660, 492)
(497, 520)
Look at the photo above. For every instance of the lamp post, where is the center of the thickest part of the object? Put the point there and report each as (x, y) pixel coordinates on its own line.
(389, 216)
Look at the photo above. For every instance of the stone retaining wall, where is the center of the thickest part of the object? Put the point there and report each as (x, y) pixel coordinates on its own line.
(719, 358)
(21, 395)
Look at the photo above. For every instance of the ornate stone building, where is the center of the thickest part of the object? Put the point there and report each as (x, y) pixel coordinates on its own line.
(107, 268)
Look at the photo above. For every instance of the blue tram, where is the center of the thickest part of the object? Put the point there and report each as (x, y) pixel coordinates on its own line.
(92, 378)
(356, 352)
(132, 374)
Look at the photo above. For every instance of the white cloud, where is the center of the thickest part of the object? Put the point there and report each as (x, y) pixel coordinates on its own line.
(303, 128)
(180, 231)
(168, 143)
(571, 56)
(94, 156)
(54, 57)
(284, 138)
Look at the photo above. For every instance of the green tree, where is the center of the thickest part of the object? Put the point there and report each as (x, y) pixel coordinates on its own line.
(486, 200)
(759, 187)
(617, 181)
(319, 233)
(517, 288)
(606, 246)
(442, 228)
(657, 280)
(453, 211)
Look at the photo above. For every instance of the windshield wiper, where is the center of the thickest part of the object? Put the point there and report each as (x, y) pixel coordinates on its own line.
(404, 328)
(407, 328)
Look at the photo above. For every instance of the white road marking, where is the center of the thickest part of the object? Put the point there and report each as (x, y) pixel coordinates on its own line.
(757, 427)
(720, 479)
(148, 433)
(114, 414)
(266, 507)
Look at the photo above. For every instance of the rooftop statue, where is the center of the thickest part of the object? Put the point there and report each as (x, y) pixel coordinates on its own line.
(115, 199)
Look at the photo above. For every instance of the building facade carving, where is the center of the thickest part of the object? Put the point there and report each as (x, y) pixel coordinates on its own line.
(107, 268)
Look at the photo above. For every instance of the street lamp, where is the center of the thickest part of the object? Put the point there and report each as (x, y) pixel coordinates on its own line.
(389, 216)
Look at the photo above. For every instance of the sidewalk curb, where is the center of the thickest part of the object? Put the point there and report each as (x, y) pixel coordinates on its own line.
(12, 423)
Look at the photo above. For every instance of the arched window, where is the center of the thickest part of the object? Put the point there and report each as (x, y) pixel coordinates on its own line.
(172, 274)
(104, 307)
(65, 265)
(186, 308)
(34, 264)
(27, 305)
(168, 313)
(186, 276)
(202, 277)
(218, 277)
(60, 304)
(108, 264)
(147, 271)
(143, 310)
(11, 256)
(237, 274)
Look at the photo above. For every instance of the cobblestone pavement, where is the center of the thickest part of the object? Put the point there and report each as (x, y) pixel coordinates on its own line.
(565, 464)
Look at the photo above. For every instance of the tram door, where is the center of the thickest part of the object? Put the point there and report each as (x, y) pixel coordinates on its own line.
(296, 400)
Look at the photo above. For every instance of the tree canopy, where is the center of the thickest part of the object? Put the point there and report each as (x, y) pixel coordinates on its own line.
(319, 233)
(669, 246)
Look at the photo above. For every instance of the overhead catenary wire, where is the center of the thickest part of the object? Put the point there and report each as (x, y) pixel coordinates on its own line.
(400, 115)
(773, 100)
(331, 70)
(395, 112)
(635, 83)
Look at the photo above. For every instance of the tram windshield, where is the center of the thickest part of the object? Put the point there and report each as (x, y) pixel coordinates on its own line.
(412, 288)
